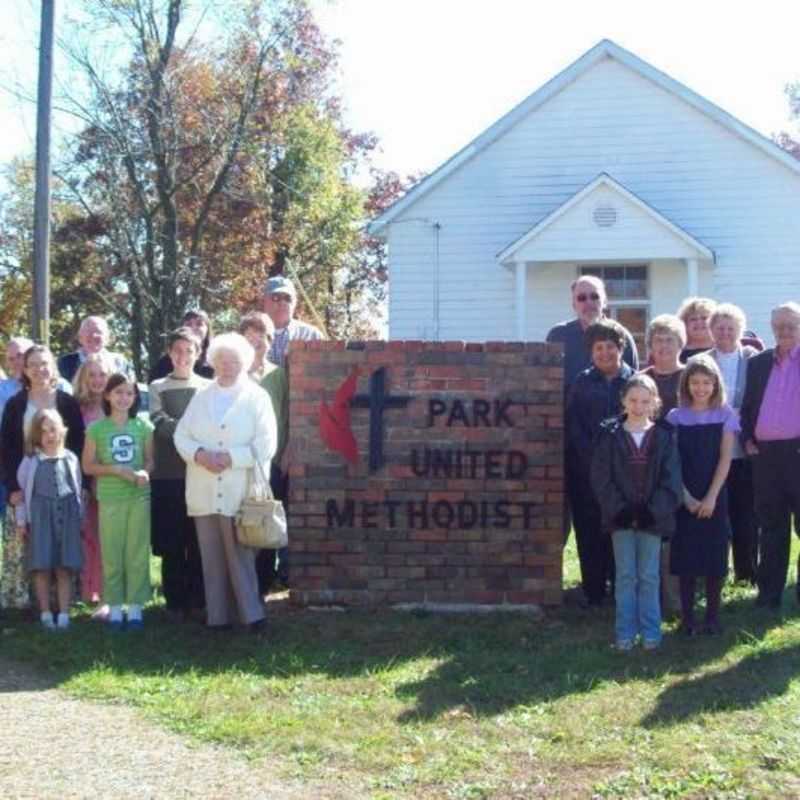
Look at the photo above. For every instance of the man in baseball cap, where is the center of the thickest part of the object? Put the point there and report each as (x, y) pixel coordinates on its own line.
(280, 302)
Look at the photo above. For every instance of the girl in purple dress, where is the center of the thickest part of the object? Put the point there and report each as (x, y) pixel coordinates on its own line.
(706, 427)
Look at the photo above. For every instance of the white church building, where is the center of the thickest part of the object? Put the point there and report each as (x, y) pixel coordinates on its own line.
(612, 168)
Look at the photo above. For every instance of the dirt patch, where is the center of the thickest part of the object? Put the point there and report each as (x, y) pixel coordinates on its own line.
(52, 746)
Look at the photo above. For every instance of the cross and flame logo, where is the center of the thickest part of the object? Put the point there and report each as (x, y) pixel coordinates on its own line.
(334, 419)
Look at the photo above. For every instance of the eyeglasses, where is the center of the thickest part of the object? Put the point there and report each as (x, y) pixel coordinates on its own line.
(281, 298)
(582, 298)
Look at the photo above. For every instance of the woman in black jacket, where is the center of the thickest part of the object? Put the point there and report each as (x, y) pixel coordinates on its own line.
(39, 379)
(636, 478)
(593, 397)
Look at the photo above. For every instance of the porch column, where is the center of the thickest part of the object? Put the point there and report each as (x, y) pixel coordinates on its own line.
(520, 295)
(692, 277)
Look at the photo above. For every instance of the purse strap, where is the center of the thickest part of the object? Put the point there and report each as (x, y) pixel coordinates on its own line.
(258, 466)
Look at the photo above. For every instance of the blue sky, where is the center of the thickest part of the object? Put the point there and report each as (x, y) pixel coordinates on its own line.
(429, 75)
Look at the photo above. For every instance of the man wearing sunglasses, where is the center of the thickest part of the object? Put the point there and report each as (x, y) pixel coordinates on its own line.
(280, 302)
(588, 302)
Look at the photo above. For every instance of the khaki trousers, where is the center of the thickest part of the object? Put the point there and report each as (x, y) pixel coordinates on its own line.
(229, 573)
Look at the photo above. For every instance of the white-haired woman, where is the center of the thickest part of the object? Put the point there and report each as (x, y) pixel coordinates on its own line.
(727, 323)
(225, 427)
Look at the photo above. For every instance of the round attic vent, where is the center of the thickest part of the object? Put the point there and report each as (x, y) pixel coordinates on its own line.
(605, 216)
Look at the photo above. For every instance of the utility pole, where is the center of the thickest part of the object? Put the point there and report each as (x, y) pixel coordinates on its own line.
(41, 209)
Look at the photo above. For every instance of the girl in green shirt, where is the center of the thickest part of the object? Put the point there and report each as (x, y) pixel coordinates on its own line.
(119, 453)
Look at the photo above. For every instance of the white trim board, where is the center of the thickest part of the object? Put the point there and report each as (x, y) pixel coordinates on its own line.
(604, 179)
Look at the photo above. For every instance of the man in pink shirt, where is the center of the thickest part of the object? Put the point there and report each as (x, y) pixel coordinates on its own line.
(770, 418)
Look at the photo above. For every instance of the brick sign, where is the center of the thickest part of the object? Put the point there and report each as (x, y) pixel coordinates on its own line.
(426, 473)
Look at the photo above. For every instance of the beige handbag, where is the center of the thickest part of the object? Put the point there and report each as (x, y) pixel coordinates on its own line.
(261, 521)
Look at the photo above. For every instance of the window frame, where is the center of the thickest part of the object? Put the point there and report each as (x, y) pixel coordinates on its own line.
(613, 304)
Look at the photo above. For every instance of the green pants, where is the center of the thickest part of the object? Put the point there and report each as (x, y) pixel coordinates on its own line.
(125, 548)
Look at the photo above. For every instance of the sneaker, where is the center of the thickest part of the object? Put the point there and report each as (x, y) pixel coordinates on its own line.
(46, 619)
(259, 628)
(624, 645)
(62, 622)
(196, 615)
(651, 644)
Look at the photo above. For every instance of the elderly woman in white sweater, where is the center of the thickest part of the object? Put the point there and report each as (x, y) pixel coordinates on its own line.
(225, 427)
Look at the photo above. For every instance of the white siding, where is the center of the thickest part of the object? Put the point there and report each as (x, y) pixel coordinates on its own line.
(713, 184)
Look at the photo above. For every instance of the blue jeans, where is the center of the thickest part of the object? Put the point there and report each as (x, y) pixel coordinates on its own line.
(637, 556)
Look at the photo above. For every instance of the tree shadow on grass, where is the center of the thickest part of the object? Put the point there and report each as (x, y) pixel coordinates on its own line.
(746, 684)
(486, 664)
(574, 657)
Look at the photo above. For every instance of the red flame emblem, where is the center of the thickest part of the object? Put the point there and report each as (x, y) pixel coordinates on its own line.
(334, 420)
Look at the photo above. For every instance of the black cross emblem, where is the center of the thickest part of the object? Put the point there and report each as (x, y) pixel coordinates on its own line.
(377, 401)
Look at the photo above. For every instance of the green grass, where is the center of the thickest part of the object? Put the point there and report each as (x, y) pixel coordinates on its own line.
(387, 705)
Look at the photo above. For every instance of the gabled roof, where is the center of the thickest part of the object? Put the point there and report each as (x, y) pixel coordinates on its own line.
(604, 180)
(604, 49)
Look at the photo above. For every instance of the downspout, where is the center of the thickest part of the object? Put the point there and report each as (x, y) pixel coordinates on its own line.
(437, 227)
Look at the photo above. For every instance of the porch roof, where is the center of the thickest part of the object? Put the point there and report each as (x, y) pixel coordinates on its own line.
(604, 221)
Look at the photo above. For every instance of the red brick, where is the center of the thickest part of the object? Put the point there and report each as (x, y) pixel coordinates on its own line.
(526, 598)
(409, 572)
(428, 536)
(452, 497)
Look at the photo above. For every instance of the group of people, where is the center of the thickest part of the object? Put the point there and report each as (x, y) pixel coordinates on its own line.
(667, 468)
(671, 466)
(92, 486)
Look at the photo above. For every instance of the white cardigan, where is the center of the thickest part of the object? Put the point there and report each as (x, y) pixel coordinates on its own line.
(247, 426)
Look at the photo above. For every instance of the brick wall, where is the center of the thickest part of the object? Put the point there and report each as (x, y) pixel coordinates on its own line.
(466, 506)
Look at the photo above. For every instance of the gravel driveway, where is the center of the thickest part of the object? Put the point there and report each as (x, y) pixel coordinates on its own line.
(52, 746)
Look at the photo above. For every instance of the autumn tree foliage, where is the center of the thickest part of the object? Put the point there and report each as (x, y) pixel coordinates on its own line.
(212, 154)
(78, 278)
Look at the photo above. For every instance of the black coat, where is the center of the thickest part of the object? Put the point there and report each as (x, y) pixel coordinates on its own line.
(69, 364)
(759, 368)
(577, 356)
(591, 399)
(12, 437)
(614, 488)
